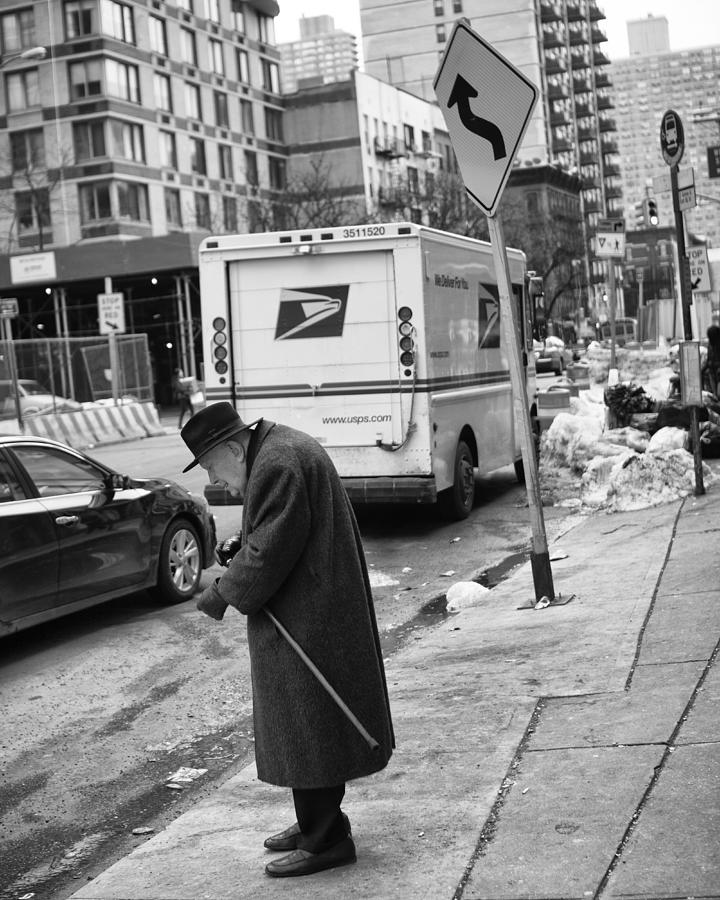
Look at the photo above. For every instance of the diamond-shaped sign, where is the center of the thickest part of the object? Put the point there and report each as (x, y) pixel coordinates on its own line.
(486, 103)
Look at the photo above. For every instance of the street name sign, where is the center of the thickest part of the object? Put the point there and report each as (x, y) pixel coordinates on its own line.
(672, 138)
(111, 313)
(699, 268)
(9, 308)
(487, 104)
(662, 184)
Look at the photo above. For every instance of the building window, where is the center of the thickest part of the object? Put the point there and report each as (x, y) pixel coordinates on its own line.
(79, 18)
(439, 7)
(270, 76)
(251, 168)
(238, 16)
(27, 150)
(211, 10)
(457, 6)
(127, 140)
(173, 215)
(192, 101)
(426, 142)
(412, 177)
(22, 90)
(188, 47)
(266, 29)
(116, 19)
(217, 59)
(168, 150)
(202, 211)
(225, 162)
(409, 135)
(158, 36)
(122, 81)
(246, 114)
(243, 64)
(186, 5)
(163, 97)
(440, 35)
(198, 164)
(89, 140)
(32, 209)
(230, 216)
(95, 202)
(273, 124)
(276, 171)
(222, 118)
(132, 201)
(17, 30)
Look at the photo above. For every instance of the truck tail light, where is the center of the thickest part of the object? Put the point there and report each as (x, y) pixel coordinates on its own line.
(407, 344)
(219, 346)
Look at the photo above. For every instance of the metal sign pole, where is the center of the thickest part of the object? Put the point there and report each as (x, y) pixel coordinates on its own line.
(539, 556)
(7, 337)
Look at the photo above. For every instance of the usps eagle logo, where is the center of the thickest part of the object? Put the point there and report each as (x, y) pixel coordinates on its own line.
(311, 312)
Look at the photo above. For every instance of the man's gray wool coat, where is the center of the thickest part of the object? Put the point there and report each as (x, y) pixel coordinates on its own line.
(302, 557)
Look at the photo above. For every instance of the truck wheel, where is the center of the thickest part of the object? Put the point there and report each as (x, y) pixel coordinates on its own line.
(457, 501)
(179, 563)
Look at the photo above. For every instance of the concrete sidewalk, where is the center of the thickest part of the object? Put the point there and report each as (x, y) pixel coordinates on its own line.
(570, 752)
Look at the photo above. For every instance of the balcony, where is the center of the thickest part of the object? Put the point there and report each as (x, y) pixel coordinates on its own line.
(549, 12)
(578, 61)
(574, 12)
(551, 40)
(596, 14)
(588, 159)
(609, 146)
(592, 206)
(388, 149)
(559, 118)
(613, 192)
(553, 65)
(597, 35)
(577, 37)
(581, 85)
(607, 125)
(600, 59)
(611, 169)
(582, 110)
(602, 79)
(557, 92)
(561, 145)
(605, 103)
(586, 134)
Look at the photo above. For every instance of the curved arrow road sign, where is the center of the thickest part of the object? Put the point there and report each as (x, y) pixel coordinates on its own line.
(487, 104)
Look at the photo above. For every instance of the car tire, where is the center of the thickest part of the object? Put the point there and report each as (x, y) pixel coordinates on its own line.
(457, 501)
(179, 563)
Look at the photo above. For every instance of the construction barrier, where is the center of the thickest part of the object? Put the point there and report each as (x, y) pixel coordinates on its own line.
(95, 425)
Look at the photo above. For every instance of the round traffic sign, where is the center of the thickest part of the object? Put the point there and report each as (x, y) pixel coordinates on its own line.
(672, 138)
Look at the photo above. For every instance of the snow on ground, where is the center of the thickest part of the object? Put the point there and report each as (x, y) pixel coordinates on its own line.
(587, 465)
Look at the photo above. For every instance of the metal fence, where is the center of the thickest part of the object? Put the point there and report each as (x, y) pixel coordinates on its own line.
(77, 368)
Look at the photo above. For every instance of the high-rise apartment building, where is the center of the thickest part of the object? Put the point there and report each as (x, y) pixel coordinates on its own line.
(645, 87)
(323, 54)
(558, 44)
(145, 127)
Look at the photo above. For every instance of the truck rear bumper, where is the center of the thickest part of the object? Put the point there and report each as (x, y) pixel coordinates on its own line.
(391, 490)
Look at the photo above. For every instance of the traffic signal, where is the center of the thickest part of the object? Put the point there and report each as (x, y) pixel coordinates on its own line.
(639, 213)
(651, 211)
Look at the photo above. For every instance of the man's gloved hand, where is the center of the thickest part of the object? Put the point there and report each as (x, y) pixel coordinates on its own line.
(225, 550)
(211, 603)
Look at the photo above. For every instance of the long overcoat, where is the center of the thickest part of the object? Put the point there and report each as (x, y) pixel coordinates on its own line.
(302, 557)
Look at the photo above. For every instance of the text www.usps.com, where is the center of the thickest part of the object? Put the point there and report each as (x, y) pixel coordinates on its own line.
(354, 420)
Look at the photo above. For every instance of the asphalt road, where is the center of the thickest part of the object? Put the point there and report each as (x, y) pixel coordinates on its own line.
(101, 708)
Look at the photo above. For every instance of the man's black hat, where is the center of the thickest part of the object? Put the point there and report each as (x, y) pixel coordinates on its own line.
(210, 427)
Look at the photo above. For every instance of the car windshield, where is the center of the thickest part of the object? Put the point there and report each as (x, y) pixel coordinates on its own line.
(32, 387)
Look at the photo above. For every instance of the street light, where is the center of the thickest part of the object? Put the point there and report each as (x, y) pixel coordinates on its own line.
(30, 53)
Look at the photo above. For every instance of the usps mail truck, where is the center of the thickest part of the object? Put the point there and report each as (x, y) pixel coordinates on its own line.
(381, 341)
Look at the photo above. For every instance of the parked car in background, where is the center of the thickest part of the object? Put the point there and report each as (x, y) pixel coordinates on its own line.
(34, 399)
(74, 533)
(552, 355)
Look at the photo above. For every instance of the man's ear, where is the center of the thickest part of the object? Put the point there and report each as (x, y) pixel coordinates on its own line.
(237, 450)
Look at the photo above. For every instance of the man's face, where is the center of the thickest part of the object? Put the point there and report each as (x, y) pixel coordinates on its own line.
(226, 465)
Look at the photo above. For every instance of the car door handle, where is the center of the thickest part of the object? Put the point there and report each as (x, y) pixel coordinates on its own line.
(67, 520)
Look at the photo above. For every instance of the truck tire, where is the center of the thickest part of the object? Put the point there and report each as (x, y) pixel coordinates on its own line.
(179, 563)
(457, 501)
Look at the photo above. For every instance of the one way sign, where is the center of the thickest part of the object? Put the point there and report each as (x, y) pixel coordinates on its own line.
(487, 104)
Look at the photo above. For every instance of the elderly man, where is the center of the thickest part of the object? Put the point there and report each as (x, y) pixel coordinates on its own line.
(299, 558)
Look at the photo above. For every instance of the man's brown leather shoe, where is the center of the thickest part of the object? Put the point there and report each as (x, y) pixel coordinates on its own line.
(302, 862)
(287, 840)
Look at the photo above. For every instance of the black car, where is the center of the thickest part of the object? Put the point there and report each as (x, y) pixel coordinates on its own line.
(74, 533)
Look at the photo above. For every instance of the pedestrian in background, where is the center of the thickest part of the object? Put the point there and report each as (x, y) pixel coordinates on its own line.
(712, 363)
(299, 557)
(182, 388)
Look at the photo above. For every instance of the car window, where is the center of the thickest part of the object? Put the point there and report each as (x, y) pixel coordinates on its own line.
(10, 488)
(56, 472)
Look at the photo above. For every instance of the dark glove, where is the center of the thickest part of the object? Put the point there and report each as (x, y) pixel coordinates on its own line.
(225, 550)
(211, 603)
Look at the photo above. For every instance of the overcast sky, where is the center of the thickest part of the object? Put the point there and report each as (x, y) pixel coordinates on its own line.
(693, 23)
